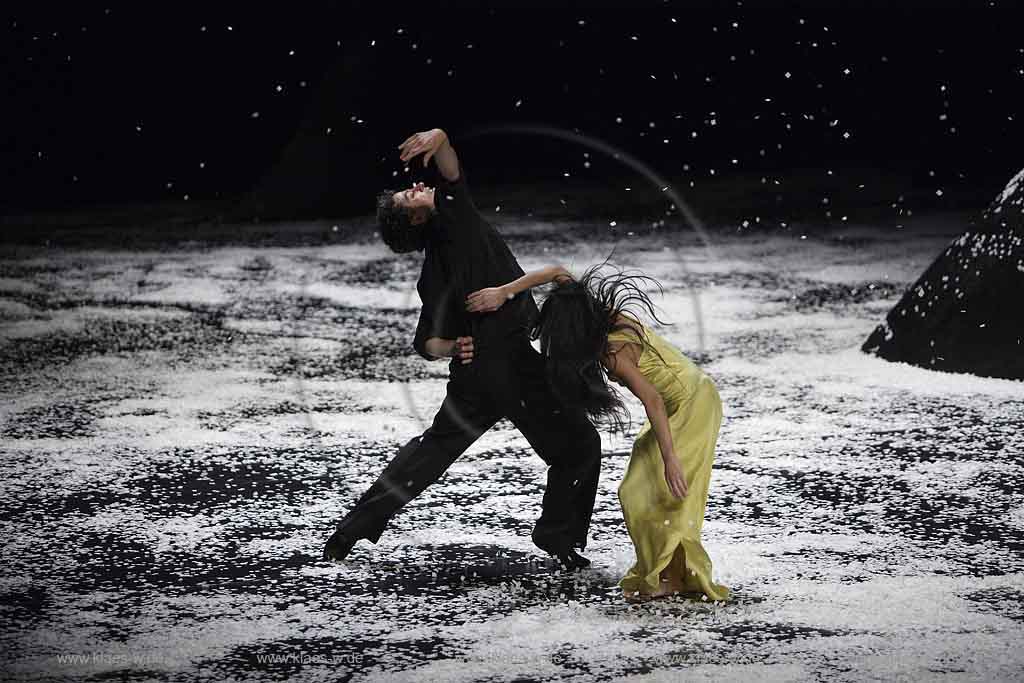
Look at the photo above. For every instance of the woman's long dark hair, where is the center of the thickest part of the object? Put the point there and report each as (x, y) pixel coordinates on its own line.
(573, 327)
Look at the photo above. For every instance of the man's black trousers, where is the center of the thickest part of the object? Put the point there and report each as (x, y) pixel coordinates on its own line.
(505, 379)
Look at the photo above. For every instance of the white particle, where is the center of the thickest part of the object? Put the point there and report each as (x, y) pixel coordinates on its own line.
(518, 102)
(938, 193)
(846, 71)
(497, 208)
(613, 224)
(846, 135)
(372, 43)
(278, 88)
(787, 74)
(291, 53)
(230, 29)
(255, 115)
(618, 119)
(202, 164)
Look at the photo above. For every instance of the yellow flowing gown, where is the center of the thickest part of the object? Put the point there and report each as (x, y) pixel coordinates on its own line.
(666, 530)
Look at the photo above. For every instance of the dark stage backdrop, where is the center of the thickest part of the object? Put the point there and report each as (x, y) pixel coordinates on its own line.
(296, 110)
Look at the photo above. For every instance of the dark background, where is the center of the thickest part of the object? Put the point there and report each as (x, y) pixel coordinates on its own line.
(118, 103)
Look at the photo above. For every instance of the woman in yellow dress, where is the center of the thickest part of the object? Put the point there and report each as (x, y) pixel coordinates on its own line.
(589, 335)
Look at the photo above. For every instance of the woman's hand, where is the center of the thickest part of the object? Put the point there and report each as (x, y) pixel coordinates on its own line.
(674, 477)
(428, 141)
(486, 300)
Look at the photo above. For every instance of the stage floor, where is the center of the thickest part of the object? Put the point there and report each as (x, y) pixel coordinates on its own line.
(182, 427)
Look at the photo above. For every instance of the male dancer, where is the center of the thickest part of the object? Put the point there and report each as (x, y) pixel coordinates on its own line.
(494, 372)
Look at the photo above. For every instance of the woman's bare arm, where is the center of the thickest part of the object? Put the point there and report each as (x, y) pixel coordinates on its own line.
(491, 298)
(624, 367)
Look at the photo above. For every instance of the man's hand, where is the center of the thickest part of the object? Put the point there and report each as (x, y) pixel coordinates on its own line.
(486, 300)
(428, 141)
(463, 349)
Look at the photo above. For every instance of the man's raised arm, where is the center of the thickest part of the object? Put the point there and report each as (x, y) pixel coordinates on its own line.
(433, 144)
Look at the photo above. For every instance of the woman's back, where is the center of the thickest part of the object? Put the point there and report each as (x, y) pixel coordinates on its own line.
(674, 375)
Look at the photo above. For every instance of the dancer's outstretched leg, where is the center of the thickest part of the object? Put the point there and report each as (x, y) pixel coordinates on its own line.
(418, 464)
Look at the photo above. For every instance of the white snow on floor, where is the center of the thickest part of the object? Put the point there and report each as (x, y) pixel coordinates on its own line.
(171, 479)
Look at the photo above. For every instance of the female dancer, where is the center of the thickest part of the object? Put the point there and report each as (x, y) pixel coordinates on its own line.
(589, 335)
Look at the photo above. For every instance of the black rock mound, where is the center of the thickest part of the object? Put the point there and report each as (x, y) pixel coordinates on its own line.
(966, 312)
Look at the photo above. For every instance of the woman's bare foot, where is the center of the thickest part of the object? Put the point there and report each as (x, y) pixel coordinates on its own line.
(670, 585)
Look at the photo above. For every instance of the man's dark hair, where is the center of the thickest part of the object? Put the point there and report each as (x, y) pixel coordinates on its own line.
(396, 228)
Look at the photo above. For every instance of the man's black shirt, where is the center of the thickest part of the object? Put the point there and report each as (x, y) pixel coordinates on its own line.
(465, 253)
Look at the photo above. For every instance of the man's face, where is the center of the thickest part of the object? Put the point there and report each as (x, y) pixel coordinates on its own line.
(418, 200)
